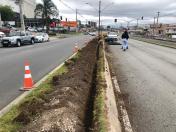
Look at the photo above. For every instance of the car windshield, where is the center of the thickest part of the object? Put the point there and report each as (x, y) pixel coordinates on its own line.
(111, 33)
(14, 34)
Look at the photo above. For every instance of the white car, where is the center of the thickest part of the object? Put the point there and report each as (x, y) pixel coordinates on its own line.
(112, 38)
(2, 35)
(41, 37)
(30, 29)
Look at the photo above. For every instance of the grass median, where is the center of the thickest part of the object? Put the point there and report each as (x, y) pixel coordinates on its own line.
(100, 123)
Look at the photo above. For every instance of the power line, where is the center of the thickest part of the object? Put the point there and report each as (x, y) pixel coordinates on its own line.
(72, 8)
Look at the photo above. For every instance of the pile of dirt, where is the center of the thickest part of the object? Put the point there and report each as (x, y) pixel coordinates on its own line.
(64, 110)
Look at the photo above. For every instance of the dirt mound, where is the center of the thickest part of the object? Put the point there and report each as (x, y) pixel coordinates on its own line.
(64, 109)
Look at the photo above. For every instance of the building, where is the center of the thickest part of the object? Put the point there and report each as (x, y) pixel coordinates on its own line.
(163, 29)
(28, 6)
(171, 29)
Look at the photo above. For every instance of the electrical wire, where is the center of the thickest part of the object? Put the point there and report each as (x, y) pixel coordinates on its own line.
(71, 9)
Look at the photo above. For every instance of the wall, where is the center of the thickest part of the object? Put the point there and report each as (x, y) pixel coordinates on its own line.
(28, 6)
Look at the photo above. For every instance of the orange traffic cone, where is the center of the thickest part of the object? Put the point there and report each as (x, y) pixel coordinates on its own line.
(76, 48)
(28, 82)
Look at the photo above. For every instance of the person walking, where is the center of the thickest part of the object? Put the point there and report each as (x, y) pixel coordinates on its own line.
(125, 38)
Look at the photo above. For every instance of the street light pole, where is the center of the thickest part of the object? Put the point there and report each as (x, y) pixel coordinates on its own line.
(99, 18)
(0, 20)
(154, 26)
(77, 20)
(158, 14)
(21, 15)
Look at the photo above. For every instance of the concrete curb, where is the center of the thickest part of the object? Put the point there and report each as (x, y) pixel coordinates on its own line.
(112, 112)
(125, 117)
(22, 96)
(113, 83)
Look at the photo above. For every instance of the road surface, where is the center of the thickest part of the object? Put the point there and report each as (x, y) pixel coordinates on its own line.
(148, 74)
(43, 58)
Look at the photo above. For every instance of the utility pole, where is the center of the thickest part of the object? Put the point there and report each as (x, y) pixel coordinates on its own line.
(86, 25)
(158, 16)
(0, 20)
(77, 20)
(99, 18)
(128, 24)
(21, 15)
(154, 25)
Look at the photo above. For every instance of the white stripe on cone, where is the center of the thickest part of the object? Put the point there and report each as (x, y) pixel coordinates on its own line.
(27, 76)
(26, 67)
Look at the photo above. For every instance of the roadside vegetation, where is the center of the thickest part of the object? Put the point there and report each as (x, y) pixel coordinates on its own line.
(99, 111)
(46, 9)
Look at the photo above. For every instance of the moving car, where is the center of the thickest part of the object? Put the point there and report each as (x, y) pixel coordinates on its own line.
(112, 38)
(41, 37)
(17, 39)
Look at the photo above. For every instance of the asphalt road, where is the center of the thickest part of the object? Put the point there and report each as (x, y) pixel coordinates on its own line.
(43, 58)
(147, 73)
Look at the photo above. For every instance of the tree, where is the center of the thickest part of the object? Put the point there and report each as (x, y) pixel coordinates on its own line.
(46, 9)
(6, 13)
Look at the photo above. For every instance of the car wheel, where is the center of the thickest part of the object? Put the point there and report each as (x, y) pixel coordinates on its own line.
(32, 41)
(18, 43)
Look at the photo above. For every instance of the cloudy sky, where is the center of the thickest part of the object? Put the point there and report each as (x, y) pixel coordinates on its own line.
(121, 9)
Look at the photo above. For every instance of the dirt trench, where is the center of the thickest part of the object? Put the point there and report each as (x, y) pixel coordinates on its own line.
(69, 107)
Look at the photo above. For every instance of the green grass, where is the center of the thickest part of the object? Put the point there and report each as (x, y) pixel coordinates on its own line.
(6, 121)
(73, 59)
(100, 120)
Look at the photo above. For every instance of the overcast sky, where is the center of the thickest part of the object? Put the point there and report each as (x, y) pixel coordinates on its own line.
(120, 9)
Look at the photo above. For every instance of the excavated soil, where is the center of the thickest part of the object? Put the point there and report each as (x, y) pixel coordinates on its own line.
(64, 110)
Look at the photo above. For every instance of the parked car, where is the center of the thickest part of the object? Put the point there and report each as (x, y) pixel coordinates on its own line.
(17, 39)
(2, 35)
(92, 33)
(41, 37)
(112, 38)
